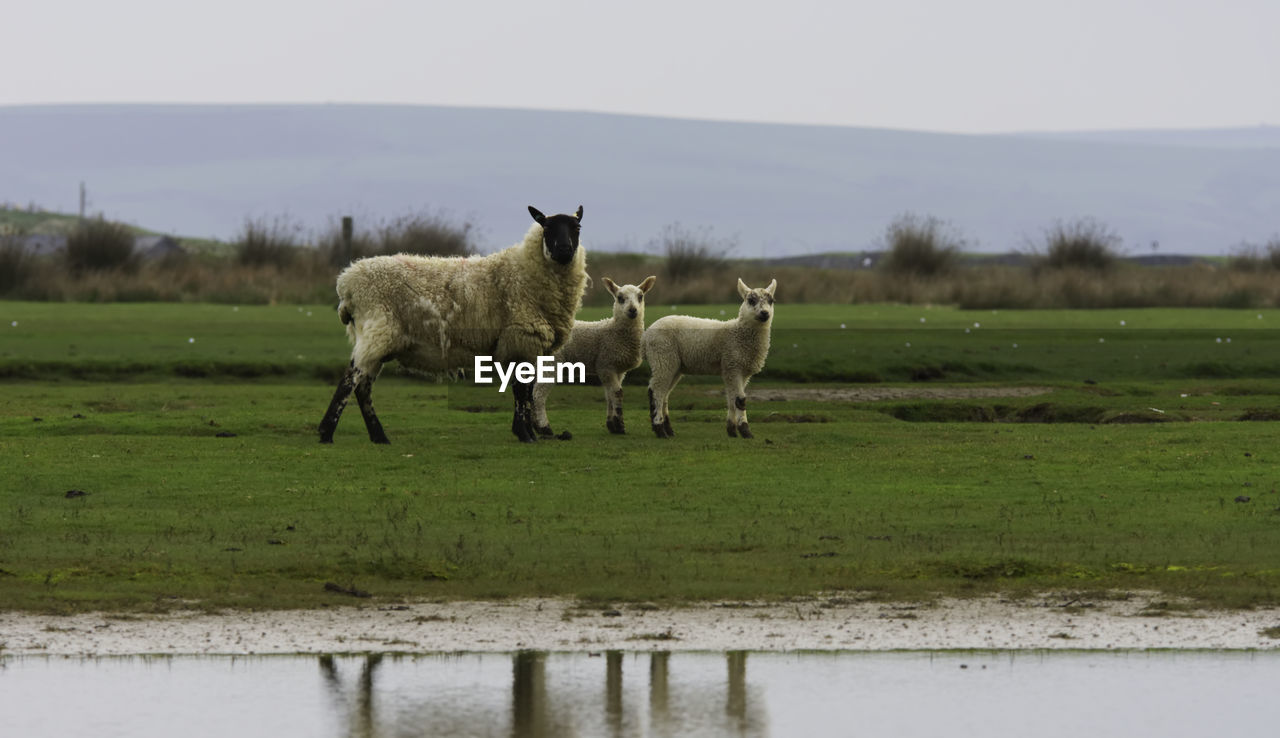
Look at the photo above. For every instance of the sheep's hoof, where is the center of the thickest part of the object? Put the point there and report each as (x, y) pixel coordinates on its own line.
(545, 430)
(659, 431)
(615, 426)
(744, 430)
(666, 427)
(565, 436)
(733, 429)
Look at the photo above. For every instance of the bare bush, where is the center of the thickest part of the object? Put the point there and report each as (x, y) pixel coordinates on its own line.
(1083, 243)
(923, 246)
(692, 252)
(1252, 258)
(97, 244)
(16, 263)
(267, 243)
(423, 234)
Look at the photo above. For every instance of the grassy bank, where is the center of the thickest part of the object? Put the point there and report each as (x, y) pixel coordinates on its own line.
(151, 496)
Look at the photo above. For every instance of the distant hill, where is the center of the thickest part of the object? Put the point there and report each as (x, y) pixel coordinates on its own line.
(779, 190)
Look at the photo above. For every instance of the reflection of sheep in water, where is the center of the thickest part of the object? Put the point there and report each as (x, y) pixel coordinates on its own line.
(436, 314)
(608, 348)
(733, 349)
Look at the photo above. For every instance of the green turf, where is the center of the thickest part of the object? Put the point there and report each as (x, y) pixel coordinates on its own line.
(850, 499)
(1081, 488)
(876, 343)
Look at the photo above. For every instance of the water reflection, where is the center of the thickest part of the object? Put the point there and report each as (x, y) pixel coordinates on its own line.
(1045, 694)
(358, 706)
(542, 708)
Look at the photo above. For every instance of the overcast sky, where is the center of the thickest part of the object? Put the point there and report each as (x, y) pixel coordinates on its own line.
(973, 66)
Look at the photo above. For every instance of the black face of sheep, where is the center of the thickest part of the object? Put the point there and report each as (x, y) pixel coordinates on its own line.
(559, 234)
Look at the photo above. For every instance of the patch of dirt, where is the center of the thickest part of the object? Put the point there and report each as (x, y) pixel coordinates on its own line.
(831, 621)
(877, 394)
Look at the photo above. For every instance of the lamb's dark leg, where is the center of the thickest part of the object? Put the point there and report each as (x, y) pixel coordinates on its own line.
(522, 419)
(614, 422)
(744, 430)
(364, 397)
(340, 396)
(663, 429)
(613, 401)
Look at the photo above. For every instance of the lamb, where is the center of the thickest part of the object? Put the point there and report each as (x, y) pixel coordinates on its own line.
(608, 348)
(436, 314)
(735, 349)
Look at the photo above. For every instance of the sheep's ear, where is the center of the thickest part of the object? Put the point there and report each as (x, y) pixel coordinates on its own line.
(611, 286)
(578, 214)
(647, 284)
(772, 286)
(743, 289)
(537, 215)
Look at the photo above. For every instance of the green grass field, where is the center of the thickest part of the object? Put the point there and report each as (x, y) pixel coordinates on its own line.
(203, 484)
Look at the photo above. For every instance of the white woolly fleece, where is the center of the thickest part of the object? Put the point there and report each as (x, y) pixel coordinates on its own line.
(436, 314)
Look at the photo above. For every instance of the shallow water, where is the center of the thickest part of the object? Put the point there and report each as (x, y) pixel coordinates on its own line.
(636, 694)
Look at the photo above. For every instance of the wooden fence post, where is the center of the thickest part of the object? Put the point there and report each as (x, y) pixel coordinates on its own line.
(348, 230)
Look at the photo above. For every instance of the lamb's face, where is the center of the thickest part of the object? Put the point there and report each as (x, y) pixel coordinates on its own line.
(628, 300)
(559, 234)
(757, 304)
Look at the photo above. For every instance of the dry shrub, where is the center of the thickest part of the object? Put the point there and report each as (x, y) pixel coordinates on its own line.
(263, 243)
(923, 246)
(1253, 258)
(424, 234)
(97, 244)
(16, 264)
(692, 252)
(1083, 243)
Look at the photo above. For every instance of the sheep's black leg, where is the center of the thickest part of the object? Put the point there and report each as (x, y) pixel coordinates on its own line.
(530, 426)
(364, 397)
(340, 396)
(522, 420)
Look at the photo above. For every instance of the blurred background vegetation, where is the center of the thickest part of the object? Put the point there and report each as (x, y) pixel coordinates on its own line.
(920, 259)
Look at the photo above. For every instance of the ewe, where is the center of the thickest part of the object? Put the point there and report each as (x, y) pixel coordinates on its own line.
(436, 314)
(734, 349)
(608, 348)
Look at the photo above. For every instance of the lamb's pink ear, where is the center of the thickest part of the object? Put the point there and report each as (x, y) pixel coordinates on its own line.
(578, 214)
(611, 286)
(537, 215)
(743, 289)
(772, 286)
(647, 284)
